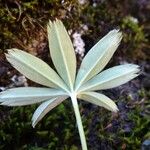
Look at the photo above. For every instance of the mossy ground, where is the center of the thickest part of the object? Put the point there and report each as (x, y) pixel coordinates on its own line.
(23, 25)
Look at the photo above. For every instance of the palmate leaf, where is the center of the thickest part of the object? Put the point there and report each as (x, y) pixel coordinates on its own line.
(62, 52)
(97, 58)
(45, 107)
(34, 68)
(64, 84)
(112, 77)
(28, 95)
(99, 99)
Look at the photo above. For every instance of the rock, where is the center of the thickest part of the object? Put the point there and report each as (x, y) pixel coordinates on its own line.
(146, 145)
(146, 82)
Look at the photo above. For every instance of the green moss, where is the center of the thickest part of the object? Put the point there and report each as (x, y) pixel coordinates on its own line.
(57, 129)
(21, 20)
(21, 24)
(136, 35)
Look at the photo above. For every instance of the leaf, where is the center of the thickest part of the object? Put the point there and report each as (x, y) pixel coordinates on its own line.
(27, 95)
(45, 107)
(34, 68)
(99, 99)
(62, 52)
(97, 58)
(112, 77)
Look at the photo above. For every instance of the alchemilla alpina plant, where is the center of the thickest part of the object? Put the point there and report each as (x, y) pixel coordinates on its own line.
(65, 83)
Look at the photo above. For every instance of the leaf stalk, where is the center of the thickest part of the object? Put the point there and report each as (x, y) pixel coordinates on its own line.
(79, 121)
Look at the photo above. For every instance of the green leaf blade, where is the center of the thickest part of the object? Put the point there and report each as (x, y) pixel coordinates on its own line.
(97, 58)
(99, 99)
(28, 95)
(45, 107)
(112, 77)
(34, 68)
(62, 52)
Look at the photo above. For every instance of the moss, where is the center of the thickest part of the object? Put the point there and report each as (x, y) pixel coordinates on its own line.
(57, 129)
(21, 20)
(23, 25)
(141, 122)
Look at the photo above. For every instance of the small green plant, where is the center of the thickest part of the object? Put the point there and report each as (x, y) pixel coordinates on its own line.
(65, 83)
